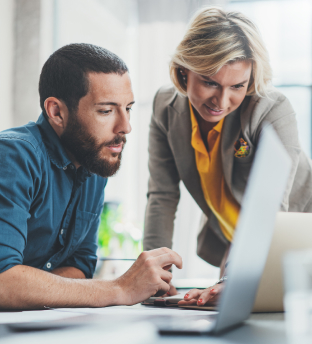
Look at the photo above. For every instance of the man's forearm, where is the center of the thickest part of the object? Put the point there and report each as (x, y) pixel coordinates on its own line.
(24, 287)
(69, 272)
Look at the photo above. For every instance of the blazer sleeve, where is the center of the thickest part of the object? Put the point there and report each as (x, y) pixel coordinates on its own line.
(282, 118)
(163, 187)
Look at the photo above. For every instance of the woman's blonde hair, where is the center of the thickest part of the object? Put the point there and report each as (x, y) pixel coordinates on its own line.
(215, 38)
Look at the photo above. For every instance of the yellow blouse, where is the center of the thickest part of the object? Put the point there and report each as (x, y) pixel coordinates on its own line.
(209, 165)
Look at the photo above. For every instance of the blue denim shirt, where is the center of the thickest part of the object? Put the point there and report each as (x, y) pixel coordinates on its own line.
(49, 211)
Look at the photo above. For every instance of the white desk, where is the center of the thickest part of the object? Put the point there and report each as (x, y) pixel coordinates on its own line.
(266, 328)
(260, 328)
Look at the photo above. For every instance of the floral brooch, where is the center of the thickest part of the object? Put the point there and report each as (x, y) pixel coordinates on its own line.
(241, 148)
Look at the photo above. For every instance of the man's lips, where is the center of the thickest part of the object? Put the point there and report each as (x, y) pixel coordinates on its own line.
(116, 148)
(214, 112)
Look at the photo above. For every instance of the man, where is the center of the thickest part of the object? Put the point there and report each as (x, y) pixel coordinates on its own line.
(52, 178)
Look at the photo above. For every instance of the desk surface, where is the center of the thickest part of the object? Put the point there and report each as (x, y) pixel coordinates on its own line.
(260, 328)
(268, 328)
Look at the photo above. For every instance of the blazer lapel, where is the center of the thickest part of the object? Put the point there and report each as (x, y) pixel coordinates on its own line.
(230, 134)
(180, 142)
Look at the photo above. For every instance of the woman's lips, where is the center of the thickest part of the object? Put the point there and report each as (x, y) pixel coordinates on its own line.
(214, 112)
(116, 148)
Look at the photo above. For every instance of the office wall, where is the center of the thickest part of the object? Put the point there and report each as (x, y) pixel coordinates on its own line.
(6, 62)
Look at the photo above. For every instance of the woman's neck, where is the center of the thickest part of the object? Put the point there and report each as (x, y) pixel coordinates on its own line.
(204, 127)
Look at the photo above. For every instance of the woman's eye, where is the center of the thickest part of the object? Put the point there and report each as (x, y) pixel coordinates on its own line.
(237, 87)
(210, 83)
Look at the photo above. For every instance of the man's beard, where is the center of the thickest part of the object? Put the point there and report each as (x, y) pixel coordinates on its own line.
(83, 146)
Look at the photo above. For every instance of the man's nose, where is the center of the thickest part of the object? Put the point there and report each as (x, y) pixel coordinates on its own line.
(123, 124)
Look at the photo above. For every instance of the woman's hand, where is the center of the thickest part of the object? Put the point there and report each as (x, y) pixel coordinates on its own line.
(198, 297)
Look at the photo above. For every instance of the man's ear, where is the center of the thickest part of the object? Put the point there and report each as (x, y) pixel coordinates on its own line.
(57, 112)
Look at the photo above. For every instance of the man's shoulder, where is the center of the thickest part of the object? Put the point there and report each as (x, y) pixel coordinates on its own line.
(26, 135)
(23, 142)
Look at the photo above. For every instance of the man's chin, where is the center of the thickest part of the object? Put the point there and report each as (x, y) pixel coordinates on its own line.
(116, 156)
(105, 168)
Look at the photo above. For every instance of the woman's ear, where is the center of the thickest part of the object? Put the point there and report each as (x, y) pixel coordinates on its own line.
(183, 71)
(56, 111)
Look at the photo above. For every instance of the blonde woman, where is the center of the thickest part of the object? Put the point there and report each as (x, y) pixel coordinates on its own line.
(205, 130)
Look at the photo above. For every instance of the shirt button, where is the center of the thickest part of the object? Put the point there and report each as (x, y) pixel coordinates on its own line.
(71, 167)
(62, 231)
(49, 265)
(65, 168)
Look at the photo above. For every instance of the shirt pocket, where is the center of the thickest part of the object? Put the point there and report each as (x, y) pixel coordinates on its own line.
(83, 223)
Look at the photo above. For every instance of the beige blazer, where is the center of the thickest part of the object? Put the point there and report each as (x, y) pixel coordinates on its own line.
(172, 158)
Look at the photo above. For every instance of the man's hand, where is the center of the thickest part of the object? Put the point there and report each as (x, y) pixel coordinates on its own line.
(198, 297)
(147, 276)
(172, 291)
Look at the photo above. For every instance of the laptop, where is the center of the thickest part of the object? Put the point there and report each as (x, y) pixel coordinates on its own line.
(292, 231)
(251, 243)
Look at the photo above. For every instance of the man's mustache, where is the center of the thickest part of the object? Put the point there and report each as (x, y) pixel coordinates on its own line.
(116, 141)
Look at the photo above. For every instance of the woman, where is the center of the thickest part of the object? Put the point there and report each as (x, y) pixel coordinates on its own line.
(205, 129)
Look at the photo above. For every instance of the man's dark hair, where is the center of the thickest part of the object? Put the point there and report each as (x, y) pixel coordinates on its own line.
(64, 75)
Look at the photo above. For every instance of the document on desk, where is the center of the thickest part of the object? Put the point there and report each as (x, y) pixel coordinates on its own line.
(92, 332)
(33, 316)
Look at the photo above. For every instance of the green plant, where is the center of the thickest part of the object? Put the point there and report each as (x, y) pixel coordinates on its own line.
(112, 226)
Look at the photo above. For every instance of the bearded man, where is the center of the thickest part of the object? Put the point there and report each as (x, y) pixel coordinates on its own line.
(52, 179)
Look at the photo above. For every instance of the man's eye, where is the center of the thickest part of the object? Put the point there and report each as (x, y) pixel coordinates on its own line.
(129, 109)
(105, 112)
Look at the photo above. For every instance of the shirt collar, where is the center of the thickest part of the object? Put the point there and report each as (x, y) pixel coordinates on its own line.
(218, 127)
(53, 144)
(196, 140)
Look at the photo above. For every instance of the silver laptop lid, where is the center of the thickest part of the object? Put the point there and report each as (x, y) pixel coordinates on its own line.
(253, 233)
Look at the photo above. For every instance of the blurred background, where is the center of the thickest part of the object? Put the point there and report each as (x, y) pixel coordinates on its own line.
(144, 33)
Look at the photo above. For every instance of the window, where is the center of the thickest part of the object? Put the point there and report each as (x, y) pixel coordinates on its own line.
(286, 28)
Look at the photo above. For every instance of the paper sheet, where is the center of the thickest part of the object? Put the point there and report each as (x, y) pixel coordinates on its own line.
(116, 333)
(33, 316)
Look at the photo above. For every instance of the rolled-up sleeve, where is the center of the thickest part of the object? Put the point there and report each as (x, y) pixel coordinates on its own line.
(19, 179)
